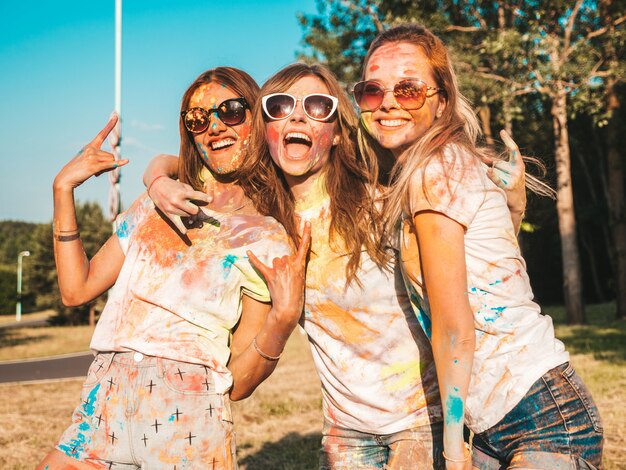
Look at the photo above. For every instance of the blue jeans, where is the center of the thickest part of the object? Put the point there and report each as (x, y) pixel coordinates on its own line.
(555, 426)
(347, 449)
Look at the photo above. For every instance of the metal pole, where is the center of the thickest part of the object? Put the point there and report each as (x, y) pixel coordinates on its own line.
(18, 305)
(115, 138)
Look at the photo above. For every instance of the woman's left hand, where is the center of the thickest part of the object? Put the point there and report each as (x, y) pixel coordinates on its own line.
(510, 175)
(285, 281)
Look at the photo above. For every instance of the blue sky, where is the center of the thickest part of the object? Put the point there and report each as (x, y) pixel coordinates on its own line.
(57, 81)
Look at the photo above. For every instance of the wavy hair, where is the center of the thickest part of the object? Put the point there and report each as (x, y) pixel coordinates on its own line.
(347, 178)
(190, 162)
(457, 125)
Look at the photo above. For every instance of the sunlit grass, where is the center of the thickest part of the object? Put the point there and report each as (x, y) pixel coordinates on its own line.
(31, 342)
(279, 426)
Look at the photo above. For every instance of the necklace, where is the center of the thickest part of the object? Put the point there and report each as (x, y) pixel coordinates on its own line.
(198, 220)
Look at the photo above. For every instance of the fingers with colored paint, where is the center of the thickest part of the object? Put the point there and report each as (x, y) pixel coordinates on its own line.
(285, 279)
(176, 199)
(511, 176)
(508, 175)
(89, 161)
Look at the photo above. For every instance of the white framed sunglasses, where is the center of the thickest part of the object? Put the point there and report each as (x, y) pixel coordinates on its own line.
(317, 106)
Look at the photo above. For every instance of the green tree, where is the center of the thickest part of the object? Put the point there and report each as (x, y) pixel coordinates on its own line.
(95, 230)
(549, 53)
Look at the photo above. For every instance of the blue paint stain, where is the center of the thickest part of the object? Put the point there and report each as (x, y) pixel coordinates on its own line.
(202, 152)
(456, 361)
(123, 231)
(84, 426)
(227, 264)
(171, 418)
(493, 314)
(454, 408)
(88, 407)
(420, 312)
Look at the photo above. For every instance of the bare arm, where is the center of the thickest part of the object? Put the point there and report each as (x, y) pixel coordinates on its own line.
(442, 255)
(263, 332)
(81, 280)
(173, 198)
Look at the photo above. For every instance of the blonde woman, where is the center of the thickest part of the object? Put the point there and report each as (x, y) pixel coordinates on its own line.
(500, 368)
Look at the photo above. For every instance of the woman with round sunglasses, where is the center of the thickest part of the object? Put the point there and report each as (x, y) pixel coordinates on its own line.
(188, 323)
(501, 370)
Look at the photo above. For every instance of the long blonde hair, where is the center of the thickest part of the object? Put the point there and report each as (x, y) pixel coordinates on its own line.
(347, 179)
(457, 125)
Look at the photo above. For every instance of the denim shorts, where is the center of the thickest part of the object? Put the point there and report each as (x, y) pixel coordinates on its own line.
(146, 412)
(410, 449)
(555, 426)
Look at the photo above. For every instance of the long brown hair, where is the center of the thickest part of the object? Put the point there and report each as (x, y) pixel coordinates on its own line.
(190, 162)
(457, 125)
(347, 179)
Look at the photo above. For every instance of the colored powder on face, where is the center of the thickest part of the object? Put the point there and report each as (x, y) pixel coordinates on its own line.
(202, 152)
(373, 68)
(454, 408)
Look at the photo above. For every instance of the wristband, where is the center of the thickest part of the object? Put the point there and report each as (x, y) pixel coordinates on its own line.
(262, 354)
(67, 238)
(153, 181)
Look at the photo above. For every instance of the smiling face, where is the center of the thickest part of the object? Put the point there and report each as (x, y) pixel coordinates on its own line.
(392, 126)
(301, 146)
(221, 147)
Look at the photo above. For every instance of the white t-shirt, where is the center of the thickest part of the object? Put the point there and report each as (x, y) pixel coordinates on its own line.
(515, 343)
(180, 300)
(374, 362)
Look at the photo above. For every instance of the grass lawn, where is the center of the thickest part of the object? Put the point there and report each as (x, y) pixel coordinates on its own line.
(30, 342)
(279, 426)
(6, 319)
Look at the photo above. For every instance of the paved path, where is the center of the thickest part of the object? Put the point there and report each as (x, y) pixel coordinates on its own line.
(59, 367)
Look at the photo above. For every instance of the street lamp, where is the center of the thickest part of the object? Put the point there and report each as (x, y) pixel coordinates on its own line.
(18, 305)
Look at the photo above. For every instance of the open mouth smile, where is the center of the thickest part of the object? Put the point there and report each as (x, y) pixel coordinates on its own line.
(392, 122)
(223, 143)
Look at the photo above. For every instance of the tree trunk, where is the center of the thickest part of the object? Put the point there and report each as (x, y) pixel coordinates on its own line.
(484, 112)
(508, 117)
(572, 280)
(617, 214)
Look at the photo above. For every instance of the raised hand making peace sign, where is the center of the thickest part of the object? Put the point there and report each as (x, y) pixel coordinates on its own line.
(285, 280)
(90, 160)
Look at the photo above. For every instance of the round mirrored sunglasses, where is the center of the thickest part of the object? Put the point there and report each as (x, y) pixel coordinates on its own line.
(231, 112)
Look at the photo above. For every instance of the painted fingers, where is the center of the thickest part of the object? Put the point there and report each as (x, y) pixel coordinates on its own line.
(508, 175)
(89, 161)
(285, 279)
(176, 199)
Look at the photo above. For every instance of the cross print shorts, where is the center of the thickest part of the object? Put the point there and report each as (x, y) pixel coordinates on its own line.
(143, 412)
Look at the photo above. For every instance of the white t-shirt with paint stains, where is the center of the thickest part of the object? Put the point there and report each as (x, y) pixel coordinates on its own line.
(180, 298)
(515, 343)
(373, 360)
